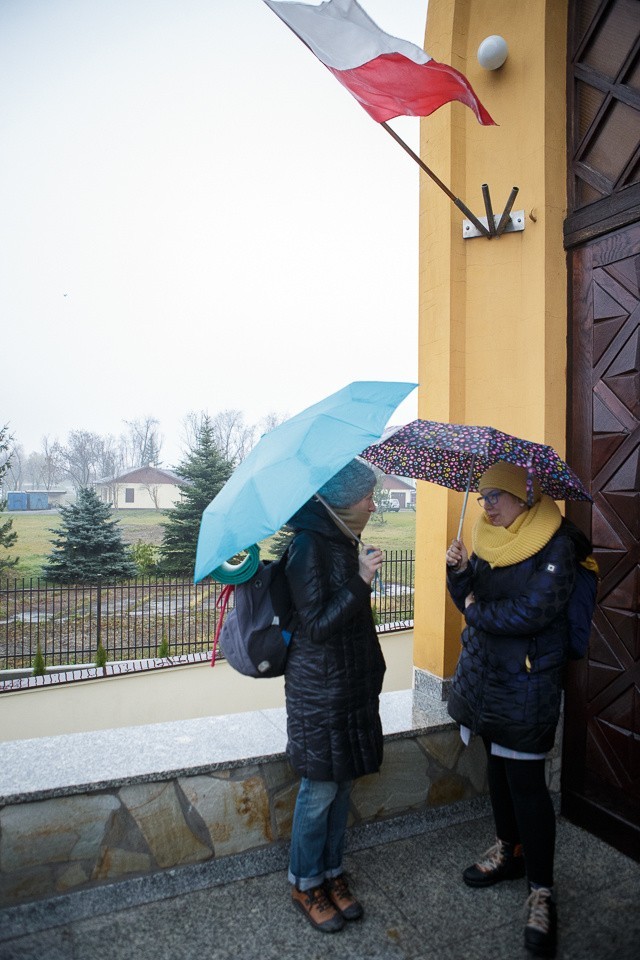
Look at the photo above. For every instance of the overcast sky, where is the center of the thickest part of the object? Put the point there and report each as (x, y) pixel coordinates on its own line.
(194, 215)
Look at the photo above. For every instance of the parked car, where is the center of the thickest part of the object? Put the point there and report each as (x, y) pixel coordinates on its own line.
(389, 505)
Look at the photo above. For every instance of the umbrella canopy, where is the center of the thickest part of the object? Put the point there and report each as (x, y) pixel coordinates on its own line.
(289, 464)
(455, 456)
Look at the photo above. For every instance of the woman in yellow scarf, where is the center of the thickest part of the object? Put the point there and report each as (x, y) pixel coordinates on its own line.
(513, 591)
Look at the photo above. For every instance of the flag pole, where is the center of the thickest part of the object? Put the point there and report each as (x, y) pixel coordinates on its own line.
(459, 204)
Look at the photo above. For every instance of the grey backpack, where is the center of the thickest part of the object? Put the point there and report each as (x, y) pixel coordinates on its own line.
(254, 635)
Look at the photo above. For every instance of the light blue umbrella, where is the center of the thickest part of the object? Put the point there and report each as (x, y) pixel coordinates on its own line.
(289, 464)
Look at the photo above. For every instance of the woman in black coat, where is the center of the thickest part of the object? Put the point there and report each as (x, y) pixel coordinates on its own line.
(514, 590)
(333, 681)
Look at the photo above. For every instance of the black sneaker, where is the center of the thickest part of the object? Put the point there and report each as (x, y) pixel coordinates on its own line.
(541, 931)
(503, 861)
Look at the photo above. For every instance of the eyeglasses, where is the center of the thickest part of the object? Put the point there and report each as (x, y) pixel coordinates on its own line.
(490, 499)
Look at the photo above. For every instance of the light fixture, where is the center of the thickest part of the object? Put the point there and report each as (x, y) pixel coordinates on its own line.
(492, 52)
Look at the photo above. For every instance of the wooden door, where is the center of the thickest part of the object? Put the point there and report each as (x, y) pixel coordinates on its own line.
(601, 756)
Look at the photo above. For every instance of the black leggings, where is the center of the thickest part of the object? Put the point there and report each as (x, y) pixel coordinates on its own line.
(523, 812)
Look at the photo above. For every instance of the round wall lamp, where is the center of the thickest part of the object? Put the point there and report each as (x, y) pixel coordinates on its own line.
(492, 52)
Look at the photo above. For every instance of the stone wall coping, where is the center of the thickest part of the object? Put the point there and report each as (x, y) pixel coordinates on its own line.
(58, 766)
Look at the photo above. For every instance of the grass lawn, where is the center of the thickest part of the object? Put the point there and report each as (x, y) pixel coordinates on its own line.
(391, 531)
(397, 531)
(35, 533)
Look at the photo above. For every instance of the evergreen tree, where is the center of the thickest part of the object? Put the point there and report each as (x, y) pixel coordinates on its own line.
(88, 547)
(281, 541)
(39, 668)
(207, 470)
(101, 657)
(8, 535)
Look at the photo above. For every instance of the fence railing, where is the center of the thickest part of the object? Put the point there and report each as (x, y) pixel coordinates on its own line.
(145, 618)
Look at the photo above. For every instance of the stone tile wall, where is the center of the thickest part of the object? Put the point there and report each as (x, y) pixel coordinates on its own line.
(63, 843)
(65, 833)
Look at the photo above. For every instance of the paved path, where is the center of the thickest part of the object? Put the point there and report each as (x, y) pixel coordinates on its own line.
(416, 906)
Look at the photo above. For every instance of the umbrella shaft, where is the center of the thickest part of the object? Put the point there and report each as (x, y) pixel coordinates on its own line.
(466, 496)
(339, 521)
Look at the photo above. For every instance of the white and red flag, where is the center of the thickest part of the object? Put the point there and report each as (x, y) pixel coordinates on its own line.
(388, 76)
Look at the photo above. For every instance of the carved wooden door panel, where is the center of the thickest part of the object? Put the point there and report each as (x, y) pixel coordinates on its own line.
(601, 760)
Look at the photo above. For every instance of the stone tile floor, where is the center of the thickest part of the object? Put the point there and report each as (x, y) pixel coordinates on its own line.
(417, 908)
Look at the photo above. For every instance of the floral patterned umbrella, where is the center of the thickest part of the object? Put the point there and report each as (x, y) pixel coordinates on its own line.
(455, 456)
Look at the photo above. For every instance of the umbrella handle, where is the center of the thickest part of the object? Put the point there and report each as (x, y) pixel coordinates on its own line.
(347, 530)
(466, 495)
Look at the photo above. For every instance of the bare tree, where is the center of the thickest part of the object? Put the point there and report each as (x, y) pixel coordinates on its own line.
(33, 469)
(6, 441)
(8, 535)
(154, 492)
(45, 467)
(143, 441)
(270, 421)
(83, 457)
(53, 462)
(109, 461)
(233, 438)
(12, 462)
(191, 427)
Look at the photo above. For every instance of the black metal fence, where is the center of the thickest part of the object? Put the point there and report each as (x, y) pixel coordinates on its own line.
(146, 618)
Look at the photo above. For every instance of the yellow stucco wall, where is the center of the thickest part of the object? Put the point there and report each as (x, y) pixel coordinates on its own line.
(492, 336)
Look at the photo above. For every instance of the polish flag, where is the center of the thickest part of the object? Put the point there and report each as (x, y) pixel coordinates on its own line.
(388, 76)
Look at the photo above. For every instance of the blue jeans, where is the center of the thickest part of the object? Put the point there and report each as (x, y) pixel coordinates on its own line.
(318, 832)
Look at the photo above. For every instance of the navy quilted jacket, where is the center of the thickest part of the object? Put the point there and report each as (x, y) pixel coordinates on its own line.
(508, 682)
(335, 665)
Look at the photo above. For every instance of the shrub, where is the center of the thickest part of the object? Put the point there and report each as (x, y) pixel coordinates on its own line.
(39, 669)
(145, 557)
(101, 657)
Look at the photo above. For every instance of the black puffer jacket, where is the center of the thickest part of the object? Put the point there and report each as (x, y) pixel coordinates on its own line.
(508, 682)
(335, 665)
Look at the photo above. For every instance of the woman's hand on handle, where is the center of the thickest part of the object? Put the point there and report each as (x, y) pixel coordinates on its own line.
(457, 556)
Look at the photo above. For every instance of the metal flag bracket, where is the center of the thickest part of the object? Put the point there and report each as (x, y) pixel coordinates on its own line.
(490, 226)
(495, 224)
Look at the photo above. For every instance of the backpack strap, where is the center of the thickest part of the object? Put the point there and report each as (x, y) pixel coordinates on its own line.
(222, 602)
(281, 598)
(591, 564)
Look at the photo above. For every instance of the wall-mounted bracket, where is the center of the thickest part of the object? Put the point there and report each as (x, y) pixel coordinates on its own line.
(489, 226)
(514, 224)
(494, 226)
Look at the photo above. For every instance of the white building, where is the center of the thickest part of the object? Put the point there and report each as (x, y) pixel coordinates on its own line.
(143, 488)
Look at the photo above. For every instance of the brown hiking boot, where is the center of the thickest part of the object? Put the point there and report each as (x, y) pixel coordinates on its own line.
(338, 892)
(503, 861)
(318, 909)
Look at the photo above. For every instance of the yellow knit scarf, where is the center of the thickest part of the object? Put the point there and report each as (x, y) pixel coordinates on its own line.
(529, 533)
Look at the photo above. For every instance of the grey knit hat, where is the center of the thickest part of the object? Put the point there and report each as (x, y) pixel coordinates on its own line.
(349, 485)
